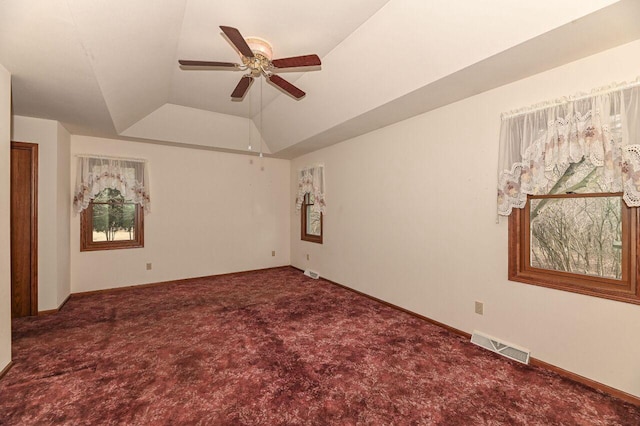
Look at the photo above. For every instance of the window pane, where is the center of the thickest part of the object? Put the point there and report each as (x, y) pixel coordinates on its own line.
(578, 235)
(114, 220)
(313, 222)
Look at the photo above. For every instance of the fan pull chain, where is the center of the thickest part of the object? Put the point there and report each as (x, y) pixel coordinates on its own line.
(250, 120)
(261, 111)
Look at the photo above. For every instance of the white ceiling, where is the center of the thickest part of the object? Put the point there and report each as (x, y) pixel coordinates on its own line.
(109, 67)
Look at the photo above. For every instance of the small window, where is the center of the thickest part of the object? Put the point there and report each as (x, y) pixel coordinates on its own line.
(579, 242)
(311, 221)
(111, 222)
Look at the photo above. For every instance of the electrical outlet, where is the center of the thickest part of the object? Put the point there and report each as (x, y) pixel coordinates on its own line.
(307, 256)
(479, 308)
(149, 266)
(273, 252)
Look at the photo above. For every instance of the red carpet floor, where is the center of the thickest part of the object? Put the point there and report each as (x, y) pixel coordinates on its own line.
(271, 348)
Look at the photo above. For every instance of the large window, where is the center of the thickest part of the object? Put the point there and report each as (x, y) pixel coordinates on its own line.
(111, 196)
(311, 221)
(111, 222)
(569, 178)
(576, 238)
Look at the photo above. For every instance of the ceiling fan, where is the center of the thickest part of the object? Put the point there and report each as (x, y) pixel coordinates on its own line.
(256, 55)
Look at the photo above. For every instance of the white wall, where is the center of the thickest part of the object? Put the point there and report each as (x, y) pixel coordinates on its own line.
(53, 228)
(63, 212)
(211, 213)
(5, 218)
(411, 219)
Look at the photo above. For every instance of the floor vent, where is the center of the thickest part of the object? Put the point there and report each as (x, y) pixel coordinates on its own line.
(514, 352)
(312, 274)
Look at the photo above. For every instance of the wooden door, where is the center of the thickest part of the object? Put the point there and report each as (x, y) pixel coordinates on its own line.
(24, 229)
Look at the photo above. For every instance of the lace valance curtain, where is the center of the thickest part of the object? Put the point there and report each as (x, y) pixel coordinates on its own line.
(600, 131)
(94, 174)
(311, 181)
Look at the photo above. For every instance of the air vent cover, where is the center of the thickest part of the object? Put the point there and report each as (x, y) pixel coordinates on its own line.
(509, 350)
(312, 274)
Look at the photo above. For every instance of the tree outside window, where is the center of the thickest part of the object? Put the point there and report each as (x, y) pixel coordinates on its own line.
(111, 222)
(576, 238)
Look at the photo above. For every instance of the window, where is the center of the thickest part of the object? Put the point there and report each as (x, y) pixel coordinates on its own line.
(310, 202)
(580, 242)
(111, 195)
(311, 221)
(111, 222)
(569, 178)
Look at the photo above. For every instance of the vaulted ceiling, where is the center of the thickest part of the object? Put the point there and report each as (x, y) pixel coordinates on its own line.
(110, 67)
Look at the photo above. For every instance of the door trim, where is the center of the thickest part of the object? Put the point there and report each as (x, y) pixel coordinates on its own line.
(33, 148)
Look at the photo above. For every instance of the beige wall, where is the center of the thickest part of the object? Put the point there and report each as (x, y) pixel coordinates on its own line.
(53, 219)
(211, 213)
(63, 212)
(411, 219)
(5, 249)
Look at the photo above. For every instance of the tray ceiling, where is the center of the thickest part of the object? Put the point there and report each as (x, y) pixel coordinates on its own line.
(109, 68)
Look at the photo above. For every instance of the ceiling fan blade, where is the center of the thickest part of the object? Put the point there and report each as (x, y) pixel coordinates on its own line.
(297, 61)
(242, 87)
(207, 64)
(238, 41)
(286, 86)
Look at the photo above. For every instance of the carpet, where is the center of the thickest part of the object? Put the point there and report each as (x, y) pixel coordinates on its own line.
(271, 347)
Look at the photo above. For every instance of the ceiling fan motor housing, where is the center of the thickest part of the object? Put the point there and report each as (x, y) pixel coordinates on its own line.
(263, 52)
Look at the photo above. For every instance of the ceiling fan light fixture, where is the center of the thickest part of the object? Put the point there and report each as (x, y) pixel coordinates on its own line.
(260, 46)
(256, 55)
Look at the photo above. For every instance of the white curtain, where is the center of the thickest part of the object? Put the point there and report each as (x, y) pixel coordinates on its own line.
(311, 181)
(600, 131)
(94, 174)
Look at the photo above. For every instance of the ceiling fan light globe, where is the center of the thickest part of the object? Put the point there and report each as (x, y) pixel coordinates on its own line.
(260, 46)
